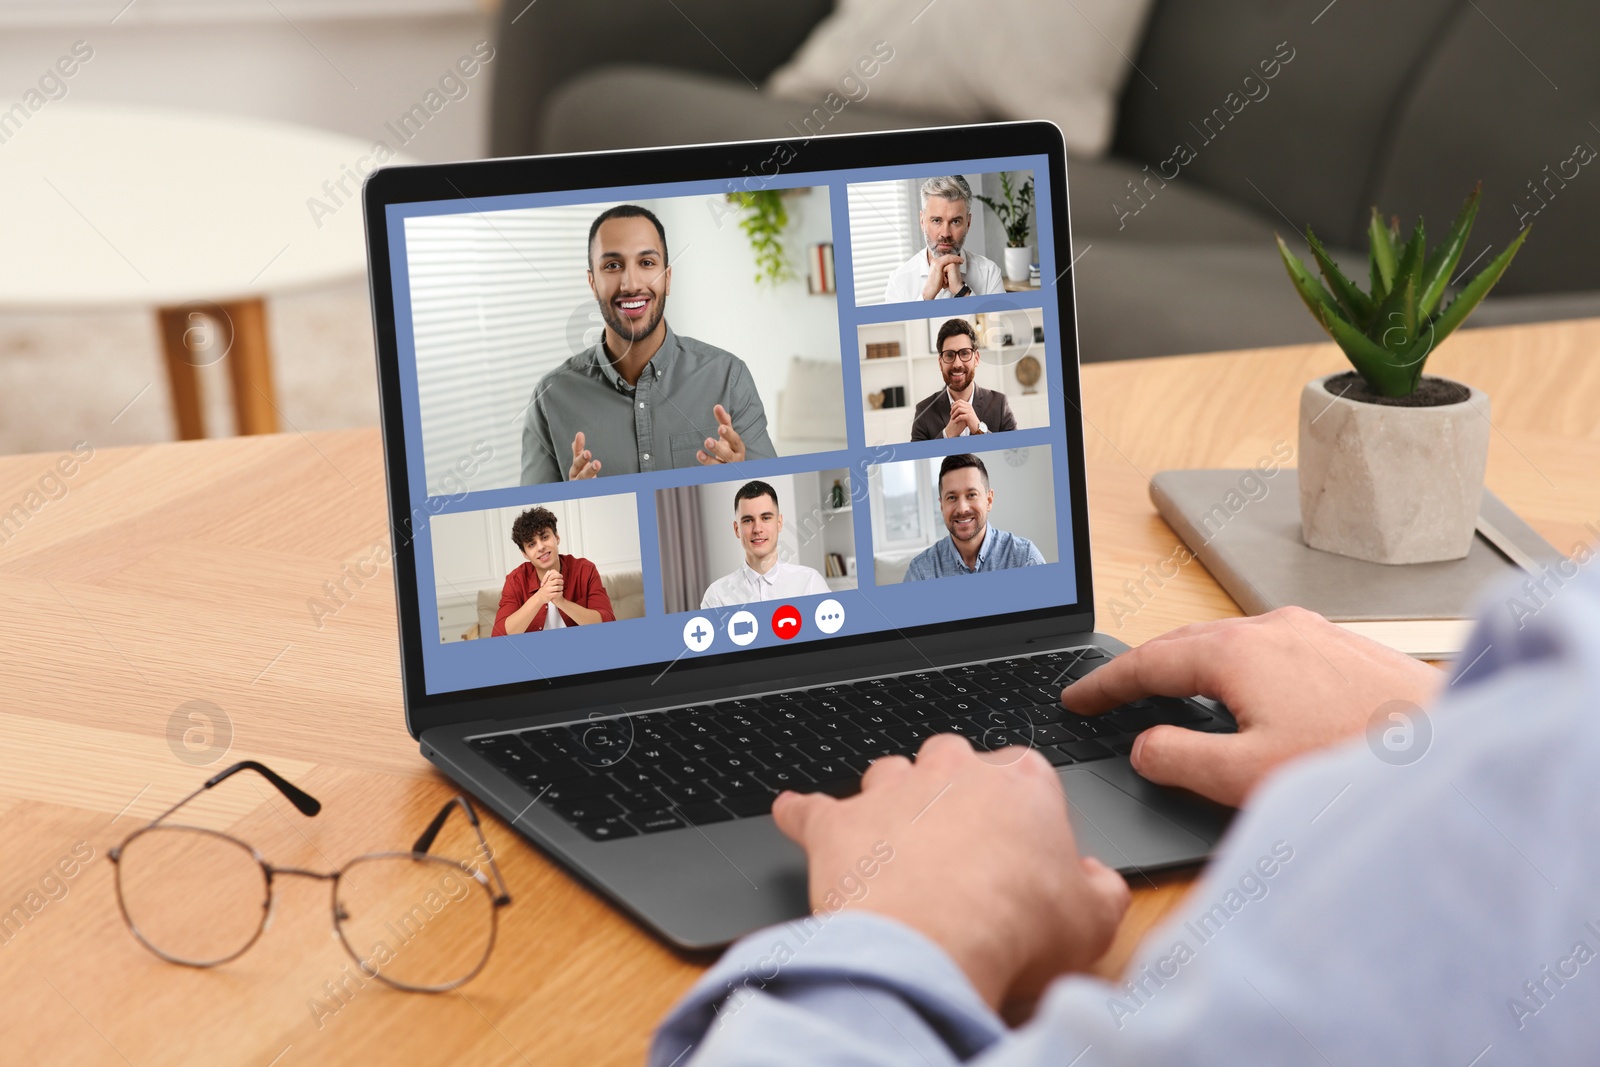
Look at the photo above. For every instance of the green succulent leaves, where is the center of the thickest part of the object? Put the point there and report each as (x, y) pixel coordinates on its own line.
(1389, 333)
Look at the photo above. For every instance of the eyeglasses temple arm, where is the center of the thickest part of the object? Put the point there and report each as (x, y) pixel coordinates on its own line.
(303, 801)
(425, 842)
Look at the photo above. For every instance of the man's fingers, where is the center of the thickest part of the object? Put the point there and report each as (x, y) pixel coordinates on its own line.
(796, 813)
(885, 771)
(577, 444)
(1106, 884)
(1182, 667)
(947, 750)
(726, 447)
(722, 415)
(1213, 765)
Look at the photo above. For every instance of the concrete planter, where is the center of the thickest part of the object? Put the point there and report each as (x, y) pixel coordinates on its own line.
(1391, 484)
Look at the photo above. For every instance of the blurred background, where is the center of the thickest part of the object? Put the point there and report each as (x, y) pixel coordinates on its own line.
(172, 169)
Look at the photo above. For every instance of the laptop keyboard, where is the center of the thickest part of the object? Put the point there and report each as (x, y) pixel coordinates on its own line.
(664, 770)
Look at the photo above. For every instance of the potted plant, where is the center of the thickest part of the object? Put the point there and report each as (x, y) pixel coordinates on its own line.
(1392, 461)
(763, 220)
(1015, 202)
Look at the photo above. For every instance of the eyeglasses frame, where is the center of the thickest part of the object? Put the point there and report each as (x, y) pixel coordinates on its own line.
(309, 806)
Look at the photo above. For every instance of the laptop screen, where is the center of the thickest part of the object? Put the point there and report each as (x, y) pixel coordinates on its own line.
(650, 422)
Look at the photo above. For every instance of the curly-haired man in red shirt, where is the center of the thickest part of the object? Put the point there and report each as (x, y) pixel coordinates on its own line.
(550, 590)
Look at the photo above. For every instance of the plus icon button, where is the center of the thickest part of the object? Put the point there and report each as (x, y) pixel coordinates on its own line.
(698, 634)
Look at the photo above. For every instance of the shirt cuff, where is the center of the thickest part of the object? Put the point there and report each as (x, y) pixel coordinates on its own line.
(838, 950)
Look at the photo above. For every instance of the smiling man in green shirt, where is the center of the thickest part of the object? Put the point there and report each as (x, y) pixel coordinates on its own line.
(644, 398)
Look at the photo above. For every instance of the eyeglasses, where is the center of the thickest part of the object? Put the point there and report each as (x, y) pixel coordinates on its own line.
(412, 920)
(950, 355)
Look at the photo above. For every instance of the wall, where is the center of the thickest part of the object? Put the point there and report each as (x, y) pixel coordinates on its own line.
(711, 258)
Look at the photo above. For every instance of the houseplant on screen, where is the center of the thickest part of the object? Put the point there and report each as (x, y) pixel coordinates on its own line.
(1391, 461)
(1015, 202)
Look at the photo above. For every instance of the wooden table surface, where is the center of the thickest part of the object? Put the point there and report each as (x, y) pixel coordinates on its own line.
(159, 625)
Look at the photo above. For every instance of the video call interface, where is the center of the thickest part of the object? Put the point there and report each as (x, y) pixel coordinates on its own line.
(651, 423)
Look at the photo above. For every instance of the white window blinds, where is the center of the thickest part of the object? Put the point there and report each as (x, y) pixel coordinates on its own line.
(880, 235)
(497, 300)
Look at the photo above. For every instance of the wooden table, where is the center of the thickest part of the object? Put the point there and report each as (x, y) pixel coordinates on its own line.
(195, 215)
(178, 573)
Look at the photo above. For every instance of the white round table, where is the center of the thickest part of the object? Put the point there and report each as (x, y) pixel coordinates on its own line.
(198, 216)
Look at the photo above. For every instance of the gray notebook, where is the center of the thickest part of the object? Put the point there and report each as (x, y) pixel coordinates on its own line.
(1253, 547)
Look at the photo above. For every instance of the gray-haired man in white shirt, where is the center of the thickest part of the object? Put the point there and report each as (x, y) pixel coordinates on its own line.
(757, 522)
(944, 268)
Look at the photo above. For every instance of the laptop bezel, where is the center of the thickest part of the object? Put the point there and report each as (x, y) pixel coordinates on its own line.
(562, 697)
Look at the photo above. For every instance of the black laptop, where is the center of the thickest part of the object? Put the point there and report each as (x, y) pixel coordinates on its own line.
(720, 470)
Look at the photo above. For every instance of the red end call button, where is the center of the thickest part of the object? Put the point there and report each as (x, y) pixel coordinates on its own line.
(786, 621)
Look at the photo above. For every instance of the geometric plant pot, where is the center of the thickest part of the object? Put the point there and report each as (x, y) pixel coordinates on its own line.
(1391, 480)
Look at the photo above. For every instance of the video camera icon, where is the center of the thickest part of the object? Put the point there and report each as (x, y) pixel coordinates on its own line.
(742, 628)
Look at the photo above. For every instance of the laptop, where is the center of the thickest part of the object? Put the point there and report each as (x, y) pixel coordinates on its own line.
(718, 470)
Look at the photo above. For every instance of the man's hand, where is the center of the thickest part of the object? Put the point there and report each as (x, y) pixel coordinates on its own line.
(584, 465)
(984, 862)
(943, 273)
(551, 588)
(962, 415)
(1294, 681)
(727, 446)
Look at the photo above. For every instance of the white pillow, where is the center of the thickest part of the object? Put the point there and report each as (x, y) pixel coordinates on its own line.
(1001, 59)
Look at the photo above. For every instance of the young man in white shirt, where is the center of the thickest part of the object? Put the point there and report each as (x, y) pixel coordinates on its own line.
(944, 268)
(757, 523)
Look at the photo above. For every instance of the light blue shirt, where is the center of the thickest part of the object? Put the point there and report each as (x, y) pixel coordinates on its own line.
(1000, 551)
(1440, 911)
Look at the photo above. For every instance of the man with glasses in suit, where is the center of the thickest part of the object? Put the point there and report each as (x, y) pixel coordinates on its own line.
(962, 407)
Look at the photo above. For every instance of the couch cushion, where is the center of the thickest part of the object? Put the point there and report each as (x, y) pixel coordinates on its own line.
(1312, 137)
(641, 107)
(1137, 300)
(542, 46)
(1106, 207)
(1008, 59)
(626, 591)
(1482, 111)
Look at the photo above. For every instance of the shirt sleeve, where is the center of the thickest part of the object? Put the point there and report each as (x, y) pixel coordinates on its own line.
(921, 567)
(539, 463)
(896, 291)
(836, 987)
(716, 595)
(1035, 557)
(816, 583)
(1004, 420)
(749, 416)
(992, 280)
(926, 426)
(1434, 893)
(511, 598)
(595, 597)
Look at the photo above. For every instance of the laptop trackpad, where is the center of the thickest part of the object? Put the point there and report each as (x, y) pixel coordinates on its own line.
(1123, 832)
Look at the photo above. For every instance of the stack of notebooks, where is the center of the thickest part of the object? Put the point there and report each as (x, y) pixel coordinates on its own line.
(1254, 549)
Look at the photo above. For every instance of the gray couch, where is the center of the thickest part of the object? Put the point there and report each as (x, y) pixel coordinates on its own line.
(1403, 105)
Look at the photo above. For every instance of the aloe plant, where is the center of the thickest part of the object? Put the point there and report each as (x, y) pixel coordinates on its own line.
(1388, 333)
